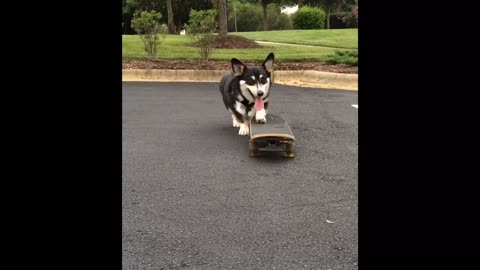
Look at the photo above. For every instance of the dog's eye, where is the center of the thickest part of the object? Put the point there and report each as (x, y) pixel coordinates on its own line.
(250, 82)
(263, 80)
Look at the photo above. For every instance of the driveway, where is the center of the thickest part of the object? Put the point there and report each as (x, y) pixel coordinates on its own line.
(194, 199)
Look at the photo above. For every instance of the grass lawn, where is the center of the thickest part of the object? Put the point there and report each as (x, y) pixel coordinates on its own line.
(339, 38)
(177, 47)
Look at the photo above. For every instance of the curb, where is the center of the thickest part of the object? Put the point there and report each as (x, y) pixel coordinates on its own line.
(302, 78)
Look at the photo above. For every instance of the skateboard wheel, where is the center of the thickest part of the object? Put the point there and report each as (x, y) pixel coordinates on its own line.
(252, 149)
(290, 149)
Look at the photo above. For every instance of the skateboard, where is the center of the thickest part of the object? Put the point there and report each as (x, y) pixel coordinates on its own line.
(275, 135)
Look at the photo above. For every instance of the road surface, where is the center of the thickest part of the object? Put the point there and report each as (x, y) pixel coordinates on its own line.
(193, 199)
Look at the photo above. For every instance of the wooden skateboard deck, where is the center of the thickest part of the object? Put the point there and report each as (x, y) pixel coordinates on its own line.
(274, 135)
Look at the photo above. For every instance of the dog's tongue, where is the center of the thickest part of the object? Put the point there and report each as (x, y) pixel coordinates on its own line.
(258, 103)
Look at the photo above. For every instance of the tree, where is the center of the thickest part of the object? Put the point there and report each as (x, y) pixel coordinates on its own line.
(175, 18)
(349, 18)
(200, 28)
(222, 17)
(265, 18)
(264, 4)
(181, 9)
(128, 9)
(147, 25)
(326, 5)
(171, 26)
(249, 16)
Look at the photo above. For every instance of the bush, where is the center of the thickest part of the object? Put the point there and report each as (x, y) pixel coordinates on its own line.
(200, 29)
(309, 18)
(249, 17)
(350, 17)
(336, 22)
(279, 22)
(343, 57)
(202, 21)
(147, 26)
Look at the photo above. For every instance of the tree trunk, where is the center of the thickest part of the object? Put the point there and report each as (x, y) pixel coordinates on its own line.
(265, 19)
(235, 14)
(300, 3)
(328, 18)
(222, 17)
(171, 26)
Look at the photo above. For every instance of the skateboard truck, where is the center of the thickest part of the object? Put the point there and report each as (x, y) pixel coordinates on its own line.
(273, 136)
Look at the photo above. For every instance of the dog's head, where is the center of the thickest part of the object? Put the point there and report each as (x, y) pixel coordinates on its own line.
(255, 79)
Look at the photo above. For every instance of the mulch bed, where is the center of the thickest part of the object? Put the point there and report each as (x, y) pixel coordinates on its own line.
(235, 42)
(224, 65)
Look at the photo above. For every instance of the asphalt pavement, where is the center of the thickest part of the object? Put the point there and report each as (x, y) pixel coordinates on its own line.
(194, 199)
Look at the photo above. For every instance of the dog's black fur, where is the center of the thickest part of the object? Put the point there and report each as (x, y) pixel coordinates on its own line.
(241, 87)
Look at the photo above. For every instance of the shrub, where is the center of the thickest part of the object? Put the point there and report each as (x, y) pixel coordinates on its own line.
(249, 17)
(147, 26)
(336, 22)
(200, 29)
(277, 20)
(349, 57)
(309, 18)
(348, 18)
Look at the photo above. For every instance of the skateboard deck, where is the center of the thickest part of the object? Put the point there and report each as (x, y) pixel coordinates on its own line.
(274, 135)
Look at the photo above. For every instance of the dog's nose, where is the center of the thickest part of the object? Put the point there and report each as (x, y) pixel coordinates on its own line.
(260, 93)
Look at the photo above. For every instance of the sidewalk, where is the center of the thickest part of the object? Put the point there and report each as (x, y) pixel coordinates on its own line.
(299, 45)
(303, 78)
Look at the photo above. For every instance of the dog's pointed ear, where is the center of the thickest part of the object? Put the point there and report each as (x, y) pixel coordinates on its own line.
(238, 67)
(268, 63)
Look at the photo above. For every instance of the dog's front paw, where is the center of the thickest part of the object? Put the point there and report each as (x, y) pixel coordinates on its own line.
(260, 116)
(261, 120)
(244, 130)
(235, 123)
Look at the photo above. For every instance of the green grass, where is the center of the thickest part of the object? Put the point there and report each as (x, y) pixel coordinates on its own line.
(177, 47)
(338, 38)
(172, 47)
